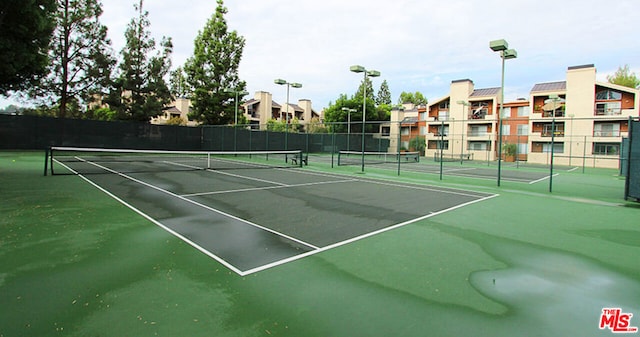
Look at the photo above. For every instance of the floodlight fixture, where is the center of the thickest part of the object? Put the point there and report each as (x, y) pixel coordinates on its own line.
(499, 45)
(357, 69)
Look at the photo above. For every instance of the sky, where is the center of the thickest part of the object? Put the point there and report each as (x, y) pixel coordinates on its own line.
(416, 45)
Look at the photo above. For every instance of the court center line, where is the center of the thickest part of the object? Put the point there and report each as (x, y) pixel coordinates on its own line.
(364, 236)
(227, 173)
(267, 188)
(202, 205)
(543, 178)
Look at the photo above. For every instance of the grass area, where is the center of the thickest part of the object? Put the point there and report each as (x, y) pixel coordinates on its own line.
(75, 262)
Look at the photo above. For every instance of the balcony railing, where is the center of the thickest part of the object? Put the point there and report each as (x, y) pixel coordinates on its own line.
(559, 113)
(478, 134)
(548, 133)
(608, 111)
(597, 133)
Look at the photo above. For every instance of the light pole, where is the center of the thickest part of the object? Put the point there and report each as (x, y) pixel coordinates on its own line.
(367, 73)
(280, 81)
(505, 54)
(349, 111)
(464, 104)
(552, 99)
(237, 93)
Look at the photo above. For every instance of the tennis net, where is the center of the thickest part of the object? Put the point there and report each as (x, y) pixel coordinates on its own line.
(70, 160)
(355, 158)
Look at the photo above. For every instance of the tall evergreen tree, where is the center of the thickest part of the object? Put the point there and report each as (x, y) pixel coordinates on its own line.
(213, 68)
(384, 95)
(80, 53)
(25, 32)
(141, 91)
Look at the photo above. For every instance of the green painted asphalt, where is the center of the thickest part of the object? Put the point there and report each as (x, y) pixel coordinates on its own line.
(75, 262)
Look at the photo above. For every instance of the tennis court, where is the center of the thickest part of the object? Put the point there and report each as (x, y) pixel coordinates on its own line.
(411, 162)
(77, 262)
(252, 211)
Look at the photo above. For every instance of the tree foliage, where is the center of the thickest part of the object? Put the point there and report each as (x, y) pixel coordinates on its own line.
(384, 94)
(416, 98)
(140, 92)
(25, 32)
(623, 76)
(213, 68)
(81, 56)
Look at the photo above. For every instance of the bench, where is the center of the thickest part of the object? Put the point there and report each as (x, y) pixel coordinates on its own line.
(302, 157)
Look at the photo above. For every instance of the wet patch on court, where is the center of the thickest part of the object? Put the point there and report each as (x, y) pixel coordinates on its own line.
(555, 291)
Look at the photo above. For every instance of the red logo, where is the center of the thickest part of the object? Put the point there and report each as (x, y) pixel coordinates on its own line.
(617, 321)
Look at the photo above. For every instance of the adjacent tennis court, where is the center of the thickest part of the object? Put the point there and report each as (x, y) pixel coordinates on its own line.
(254, 210)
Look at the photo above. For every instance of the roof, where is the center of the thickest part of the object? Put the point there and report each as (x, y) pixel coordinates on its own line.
(485, 92)
(172, 109)
(296, 107)
(252, 101)
(550, 86)
(410, 120)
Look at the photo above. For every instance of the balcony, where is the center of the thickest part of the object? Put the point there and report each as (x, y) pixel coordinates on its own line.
(604, 111)
(602, 133)
(548, 133)
(558, 113)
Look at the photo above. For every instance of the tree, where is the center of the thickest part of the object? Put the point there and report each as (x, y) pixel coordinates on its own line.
(384, 95)
(178, 83)
(25, 32)
(623, 76)
(141, 92)
(80, 53)
(416, 98)
(370, 93)
(213, 68)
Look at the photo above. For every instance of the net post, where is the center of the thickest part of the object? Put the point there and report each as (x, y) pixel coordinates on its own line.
(208, 160)
(46, 160)
(301, 154)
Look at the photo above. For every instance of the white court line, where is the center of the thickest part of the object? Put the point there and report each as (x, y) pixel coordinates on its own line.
(544, 178)
(364, 236)
(573, 169)
(267, 188)
(315, 250)
(227, 174)
(159, 224)
(382, 182)
(201, 205)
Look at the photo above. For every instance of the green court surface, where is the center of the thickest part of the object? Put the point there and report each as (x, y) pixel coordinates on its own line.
(76, 262)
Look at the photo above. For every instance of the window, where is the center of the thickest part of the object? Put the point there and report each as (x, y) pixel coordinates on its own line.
(557, 147)
(443, 115)
(523, 148)
(523, 111)
(404, 131)
(477, 131)
(608, 95)
(506, 112)
(444, 131)
(423, 116)
(607, 149)
(423, 130)
(523, 129)
(438, 145)
(444, 105)
(478, 146)
(606, 130)
(506, 130)
(608, 108)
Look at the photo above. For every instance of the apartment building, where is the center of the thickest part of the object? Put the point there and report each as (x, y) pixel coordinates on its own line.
(260, 109)
(580, 119)
(409, 126)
